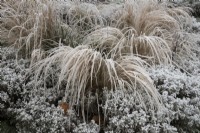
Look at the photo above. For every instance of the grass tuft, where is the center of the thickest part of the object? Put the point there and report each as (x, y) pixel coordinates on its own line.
(82, 70)
(114, 43)
(31, 25)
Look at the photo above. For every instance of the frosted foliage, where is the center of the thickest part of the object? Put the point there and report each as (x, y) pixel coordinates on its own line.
(39, 116)
(195, 25)
(126, 115)
(180, 93)
(87, 128)
(3, 98)
(33, 110)
(34, 107)
(29, 111)
(12, 75)
(123, 112)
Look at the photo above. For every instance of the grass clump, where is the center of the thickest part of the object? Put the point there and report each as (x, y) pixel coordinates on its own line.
(153, 27)
(31, 25)
(115, 43)
(83, 70)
